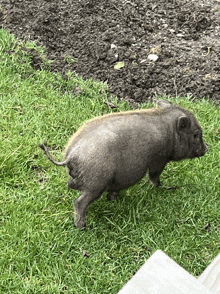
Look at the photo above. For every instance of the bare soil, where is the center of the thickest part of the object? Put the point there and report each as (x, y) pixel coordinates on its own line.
(184, 36)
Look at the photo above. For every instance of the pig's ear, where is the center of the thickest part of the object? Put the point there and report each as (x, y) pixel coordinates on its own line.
(164, 104)
(182, 123)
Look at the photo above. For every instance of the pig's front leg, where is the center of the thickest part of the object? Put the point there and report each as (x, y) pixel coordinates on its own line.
(154, 175)
(155, 172)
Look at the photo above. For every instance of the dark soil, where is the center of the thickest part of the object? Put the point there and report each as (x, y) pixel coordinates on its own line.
(184, 34)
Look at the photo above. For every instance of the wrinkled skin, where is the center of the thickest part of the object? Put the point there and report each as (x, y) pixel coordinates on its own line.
(113, 152)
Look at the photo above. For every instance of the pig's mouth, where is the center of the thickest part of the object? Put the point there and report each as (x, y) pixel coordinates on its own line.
(202, 151)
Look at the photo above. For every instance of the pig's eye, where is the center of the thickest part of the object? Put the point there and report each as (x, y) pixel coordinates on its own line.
(196, 135)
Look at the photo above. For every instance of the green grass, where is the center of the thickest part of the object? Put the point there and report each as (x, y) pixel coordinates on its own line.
(41, 249)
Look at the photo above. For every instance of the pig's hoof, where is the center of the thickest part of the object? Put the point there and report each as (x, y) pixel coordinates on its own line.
(171, 188)
(112, 196)
(79, 222)
(156, 184)
(80, 225)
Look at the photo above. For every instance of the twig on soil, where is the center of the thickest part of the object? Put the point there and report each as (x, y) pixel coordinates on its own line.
(129, 3)
(117, 8)
(178, 46)
(110, 104)
(209, 48)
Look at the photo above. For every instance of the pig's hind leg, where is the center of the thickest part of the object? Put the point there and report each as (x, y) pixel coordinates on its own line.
(71, 183)
(81, 204)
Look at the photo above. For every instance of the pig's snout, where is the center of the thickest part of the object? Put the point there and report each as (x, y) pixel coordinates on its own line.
(203, 150)
(206, 148)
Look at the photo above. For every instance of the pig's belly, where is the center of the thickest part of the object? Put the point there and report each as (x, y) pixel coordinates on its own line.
(126, 177)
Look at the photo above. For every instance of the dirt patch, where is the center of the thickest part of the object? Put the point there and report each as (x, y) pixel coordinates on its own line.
(92, 36)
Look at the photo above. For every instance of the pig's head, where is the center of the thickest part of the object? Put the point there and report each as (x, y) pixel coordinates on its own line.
(188, 142)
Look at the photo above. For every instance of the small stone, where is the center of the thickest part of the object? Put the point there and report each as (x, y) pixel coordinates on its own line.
(153, 57)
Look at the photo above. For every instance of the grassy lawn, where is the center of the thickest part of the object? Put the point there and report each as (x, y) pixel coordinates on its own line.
(41, 249)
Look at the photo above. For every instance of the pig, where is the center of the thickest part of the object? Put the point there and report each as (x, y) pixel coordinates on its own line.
(114, 151)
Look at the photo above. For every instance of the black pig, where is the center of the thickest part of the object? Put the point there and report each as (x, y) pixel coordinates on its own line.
(114, 151)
